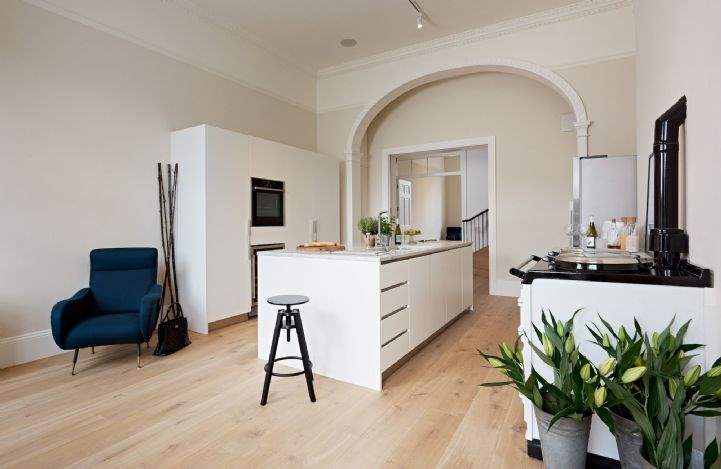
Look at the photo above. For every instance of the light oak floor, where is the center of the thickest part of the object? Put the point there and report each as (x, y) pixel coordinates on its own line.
(199, 407)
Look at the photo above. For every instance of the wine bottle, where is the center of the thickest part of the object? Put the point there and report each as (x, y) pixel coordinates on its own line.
(591, 234)
(399, 237)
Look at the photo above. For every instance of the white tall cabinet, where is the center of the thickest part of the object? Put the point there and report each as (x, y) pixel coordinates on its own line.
(213, 220)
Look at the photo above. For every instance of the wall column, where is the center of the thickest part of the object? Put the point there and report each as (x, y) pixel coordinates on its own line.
(352, 196)
(582, 137)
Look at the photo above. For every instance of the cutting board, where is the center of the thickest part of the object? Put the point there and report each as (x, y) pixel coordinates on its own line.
(314, 248)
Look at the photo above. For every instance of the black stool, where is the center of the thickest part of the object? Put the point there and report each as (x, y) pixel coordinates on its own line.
(288, 319)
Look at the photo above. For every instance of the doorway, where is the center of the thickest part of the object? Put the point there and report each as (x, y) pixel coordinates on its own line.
(446, 190)
(429, 197)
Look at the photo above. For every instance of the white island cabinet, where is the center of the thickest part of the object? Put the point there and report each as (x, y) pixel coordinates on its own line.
(367, 311)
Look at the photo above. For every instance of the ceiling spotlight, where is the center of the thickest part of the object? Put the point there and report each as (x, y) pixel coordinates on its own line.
(419, 23)
(349, 42)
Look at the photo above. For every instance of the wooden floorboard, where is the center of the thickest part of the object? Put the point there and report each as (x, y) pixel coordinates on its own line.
(199, 407)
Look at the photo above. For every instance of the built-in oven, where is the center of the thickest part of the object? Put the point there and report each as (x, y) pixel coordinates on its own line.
(268, 201)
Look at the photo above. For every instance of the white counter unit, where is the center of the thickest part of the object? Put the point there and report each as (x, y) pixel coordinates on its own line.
(653, 305)
(367, 311)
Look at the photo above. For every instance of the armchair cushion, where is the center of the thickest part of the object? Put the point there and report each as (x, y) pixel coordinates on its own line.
(120, 277)
(148, 316)
(66, 313)
(105, 329)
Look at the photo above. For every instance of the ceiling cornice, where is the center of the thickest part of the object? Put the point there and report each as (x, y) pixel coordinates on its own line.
(536, 20)
(191, 8)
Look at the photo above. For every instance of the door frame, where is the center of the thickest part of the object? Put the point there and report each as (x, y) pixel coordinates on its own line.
(496, 286)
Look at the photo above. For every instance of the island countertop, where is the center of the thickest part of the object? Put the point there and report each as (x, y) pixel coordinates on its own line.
(359, 253)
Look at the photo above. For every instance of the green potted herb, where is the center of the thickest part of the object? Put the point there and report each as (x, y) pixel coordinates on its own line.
(563, 408)
(387, 227)
(369, 227)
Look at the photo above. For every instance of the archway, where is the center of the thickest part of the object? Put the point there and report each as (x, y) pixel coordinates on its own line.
(401, 85)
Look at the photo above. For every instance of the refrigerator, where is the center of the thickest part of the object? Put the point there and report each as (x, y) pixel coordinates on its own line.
(605, 187)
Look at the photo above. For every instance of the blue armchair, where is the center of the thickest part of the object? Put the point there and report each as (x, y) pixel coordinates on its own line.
(120, 307)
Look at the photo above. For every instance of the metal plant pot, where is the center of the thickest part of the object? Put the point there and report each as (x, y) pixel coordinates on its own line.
(645, 464)
(564, 446)
(628, 442)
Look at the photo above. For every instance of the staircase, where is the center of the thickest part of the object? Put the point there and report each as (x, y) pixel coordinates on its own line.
(475, 230)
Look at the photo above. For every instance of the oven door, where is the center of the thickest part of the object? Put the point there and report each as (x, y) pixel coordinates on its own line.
(268, 207)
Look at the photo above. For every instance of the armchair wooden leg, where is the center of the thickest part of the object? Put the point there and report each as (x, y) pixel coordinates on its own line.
(75, 360)
(92, 350)
(139, 356)
(147, 345)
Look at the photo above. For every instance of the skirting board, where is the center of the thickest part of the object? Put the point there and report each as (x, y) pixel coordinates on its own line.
(27, 347)
(220, 323)
(593, 461)
(506, 288)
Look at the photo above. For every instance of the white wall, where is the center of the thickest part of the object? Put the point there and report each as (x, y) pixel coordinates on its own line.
(85, 116)
(476, 180)
(679, 53)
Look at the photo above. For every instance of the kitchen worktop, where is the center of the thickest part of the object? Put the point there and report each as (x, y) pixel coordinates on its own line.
(359, 253)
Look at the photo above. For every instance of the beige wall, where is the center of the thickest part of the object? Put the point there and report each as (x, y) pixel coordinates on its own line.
(452, 197)
(459, 114)
(533, 156)
(428, 206)
(612, 130)
(679, 53)
(84, 118)
(608, 91)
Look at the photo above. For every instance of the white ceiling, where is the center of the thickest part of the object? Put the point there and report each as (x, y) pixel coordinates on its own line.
(309, 31)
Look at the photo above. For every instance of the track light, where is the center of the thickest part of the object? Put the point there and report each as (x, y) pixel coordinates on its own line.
(419, 23)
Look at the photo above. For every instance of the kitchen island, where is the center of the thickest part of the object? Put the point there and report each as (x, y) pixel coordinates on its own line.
(369, 310)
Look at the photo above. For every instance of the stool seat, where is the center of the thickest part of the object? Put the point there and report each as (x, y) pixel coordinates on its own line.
(288, 300)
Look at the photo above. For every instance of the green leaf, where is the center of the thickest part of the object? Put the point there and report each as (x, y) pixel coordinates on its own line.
(710, 456)
(497, 383)
(608, 326)
(706, 413)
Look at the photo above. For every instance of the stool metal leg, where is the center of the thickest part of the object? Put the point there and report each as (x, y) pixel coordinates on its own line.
(304, 354)
(271, 358)
(288, 323)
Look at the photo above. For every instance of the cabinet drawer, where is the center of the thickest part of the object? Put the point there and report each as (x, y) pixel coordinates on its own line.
(394, 324)
(394, 351)
(393, 299)
(394, 273)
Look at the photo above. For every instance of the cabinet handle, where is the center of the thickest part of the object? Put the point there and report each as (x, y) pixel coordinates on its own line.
(391, 287)
(394, 312)
(393, 338)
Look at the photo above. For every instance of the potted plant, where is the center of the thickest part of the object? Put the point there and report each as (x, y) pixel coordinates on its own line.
(369, 227)
(653, 384)
(410, 233)
(563, 408)
(387, 227)
(624, 354)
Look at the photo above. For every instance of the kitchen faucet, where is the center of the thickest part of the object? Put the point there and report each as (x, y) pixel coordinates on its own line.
(380, 235)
